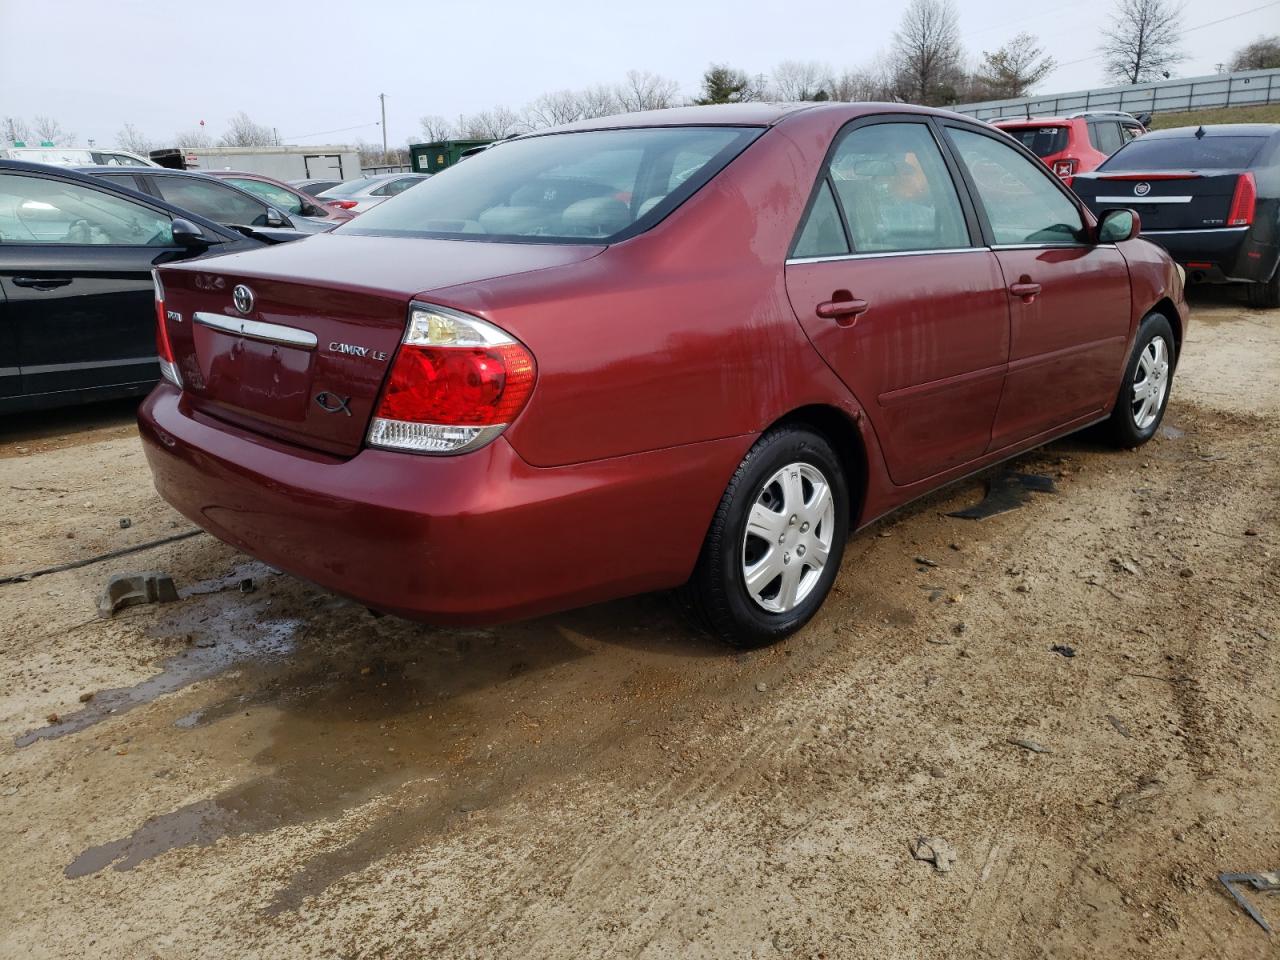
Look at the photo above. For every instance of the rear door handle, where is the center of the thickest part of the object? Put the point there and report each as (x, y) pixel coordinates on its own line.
(41, 283)
(1027, 291)
(844, 309)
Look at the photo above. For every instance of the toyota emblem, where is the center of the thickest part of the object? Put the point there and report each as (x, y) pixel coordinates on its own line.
(242, 297)
(1142, 189)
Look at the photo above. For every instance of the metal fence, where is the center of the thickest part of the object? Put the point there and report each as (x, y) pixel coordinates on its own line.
(1244, 89)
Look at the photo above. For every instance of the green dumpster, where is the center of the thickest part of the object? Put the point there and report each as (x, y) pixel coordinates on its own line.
(433, 157)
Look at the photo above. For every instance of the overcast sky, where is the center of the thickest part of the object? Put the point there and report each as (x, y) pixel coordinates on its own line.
(315, 76)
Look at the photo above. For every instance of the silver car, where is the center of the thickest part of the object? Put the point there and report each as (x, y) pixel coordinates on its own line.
(367, 192)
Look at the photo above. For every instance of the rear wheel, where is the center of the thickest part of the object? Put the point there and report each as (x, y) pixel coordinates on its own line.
(775, 544)
(1144, 392)
(1266, 295)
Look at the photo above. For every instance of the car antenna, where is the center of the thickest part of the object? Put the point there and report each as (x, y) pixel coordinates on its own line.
(1200, 132)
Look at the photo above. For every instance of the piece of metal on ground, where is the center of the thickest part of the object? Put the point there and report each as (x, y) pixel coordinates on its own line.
(1006, 491)
(130, 589)
(1268, 882)
(76, 564)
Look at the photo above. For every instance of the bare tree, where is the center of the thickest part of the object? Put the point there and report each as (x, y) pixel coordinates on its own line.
(926, 52)
(50, 130)
(194, 138)
(598, 101)
(800, 80)
(243, 132)
(134, 140)
(1014, 69)
(1262, 54)
(1141, 42)
(872, 82)
(16, 130)
(435, 128)
(491, 124)
(642, 90)
(553, 109)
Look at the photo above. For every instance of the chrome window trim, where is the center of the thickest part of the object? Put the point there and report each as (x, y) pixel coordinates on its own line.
(1199, 230)
(1049, 246)
(1130, 200)
(881, 255)
(258, 330)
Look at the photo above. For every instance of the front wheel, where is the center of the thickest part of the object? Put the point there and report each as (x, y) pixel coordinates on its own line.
(1144, 392)
(775, 543)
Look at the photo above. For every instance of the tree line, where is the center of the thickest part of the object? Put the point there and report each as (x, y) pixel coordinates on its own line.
(925, 63)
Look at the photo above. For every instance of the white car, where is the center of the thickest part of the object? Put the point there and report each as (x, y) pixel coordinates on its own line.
(76, 156)
(367, 192)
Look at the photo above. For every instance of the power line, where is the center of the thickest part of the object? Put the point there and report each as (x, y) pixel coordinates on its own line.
(358, 126)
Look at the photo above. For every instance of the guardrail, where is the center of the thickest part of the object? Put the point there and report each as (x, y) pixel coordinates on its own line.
(1241, 89)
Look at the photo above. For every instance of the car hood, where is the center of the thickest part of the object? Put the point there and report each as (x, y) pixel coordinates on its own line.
(394, 266)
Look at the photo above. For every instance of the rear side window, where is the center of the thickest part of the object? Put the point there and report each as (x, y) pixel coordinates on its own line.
(1042, 141)
(1186, 153)
(596, 186)
(219, 203)
(1105, 136)
(1022, 201)
(895, 190)
(823, 233)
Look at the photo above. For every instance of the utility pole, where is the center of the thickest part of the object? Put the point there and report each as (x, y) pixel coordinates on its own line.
(383, 98)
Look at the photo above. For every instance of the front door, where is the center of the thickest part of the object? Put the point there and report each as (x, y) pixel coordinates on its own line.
(75, 272)
(893, 290)
(1069, 298)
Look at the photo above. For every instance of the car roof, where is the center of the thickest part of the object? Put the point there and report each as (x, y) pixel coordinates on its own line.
(1034, 121)
(1217, 130)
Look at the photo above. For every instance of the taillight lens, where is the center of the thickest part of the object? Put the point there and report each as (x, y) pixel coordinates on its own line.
(342, 204)
(1065, 167)
(455, 384)
(164, 349)
(1243, 201)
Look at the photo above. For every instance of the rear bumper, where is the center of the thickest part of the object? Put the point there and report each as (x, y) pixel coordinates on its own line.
(1218, 255)
(478, 538)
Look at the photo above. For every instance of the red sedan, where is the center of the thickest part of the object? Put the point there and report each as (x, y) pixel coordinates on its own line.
(692, 347)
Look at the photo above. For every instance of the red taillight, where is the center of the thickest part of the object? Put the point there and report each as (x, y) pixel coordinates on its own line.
(342, 204)
(455, 384)
(1243, 201)
(1065, 167)
(164, 349)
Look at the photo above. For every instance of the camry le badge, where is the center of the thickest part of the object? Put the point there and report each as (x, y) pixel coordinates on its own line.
(332, 403)
(242, 297)
(1142, 189)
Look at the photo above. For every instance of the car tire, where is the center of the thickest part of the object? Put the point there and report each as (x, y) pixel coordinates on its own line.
(773, 516)
(1266, 295)
(1148, 374)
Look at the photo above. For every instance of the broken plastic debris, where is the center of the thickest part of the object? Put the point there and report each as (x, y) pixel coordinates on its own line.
(934, 850)
(127, 589)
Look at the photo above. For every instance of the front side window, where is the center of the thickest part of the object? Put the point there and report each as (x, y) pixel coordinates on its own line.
(895, 190)
(40, 210)
(595, 185)
(278, 197)
(217, 202)
(1022, 201)
(392, 187)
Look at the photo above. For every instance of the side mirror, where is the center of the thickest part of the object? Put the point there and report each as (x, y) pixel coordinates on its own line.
(1117, 226)
(276, 219)
(187, 234)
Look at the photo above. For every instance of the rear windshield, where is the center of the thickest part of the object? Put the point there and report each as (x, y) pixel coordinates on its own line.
(361, 185)
(1042, 141)
(597, 185)
(1185, 153)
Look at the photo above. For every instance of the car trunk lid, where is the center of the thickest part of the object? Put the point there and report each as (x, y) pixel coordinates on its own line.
(1167, 199)
(306, 361)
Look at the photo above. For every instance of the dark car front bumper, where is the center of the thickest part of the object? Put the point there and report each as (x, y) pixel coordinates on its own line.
(477, 538)
(1219, 254)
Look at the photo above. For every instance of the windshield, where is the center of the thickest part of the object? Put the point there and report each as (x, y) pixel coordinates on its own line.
(1042, 141)
(595, 185)
(1185, 153)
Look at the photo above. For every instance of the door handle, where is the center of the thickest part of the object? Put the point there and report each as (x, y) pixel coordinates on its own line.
(41, 283)
(846, 309)
(1026, 290)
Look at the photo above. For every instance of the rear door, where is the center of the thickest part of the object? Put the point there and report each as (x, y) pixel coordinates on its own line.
(75, 270)
(1068, 299)
(892, 286)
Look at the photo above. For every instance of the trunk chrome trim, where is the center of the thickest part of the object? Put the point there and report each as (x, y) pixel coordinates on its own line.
(1200, 230)
(258, 330)
(1130, 201)
(879, 256)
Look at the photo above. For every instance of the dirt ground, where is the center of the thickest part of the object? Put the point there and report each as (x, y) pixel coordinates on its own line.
(264, 770)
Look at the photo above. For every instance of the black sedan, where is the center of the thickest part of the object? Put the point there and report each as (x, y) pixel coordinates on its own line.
(1210, 195)
(77, 315)
(208, 196)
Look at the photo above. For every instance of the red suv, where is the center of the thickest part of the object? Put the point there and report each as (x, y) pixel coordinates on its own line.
(1074, 144)
(689, 347)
